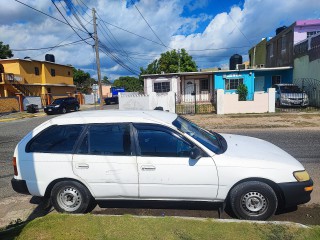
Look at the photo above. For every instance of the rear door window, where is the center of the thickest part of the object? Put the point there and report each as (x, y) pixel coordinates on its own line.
(107, 139)
(56, 139)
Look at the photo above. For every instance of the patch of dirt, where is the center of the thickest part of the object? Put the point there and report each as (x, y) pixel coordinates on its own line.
(275, 120)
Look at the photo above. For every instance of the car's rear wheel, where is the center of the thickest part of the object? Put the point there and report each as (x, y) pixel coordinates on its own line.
(76, 108)
(70, 197)
(253, 200)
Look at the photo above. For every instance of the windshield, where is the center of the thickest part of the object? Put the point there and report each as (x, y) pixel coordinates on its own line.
(209, 140)
(290, 89)
(58, 101)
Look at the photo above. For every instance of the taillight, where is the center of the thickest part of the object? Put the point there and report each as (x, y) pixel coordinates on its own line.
(15, 169)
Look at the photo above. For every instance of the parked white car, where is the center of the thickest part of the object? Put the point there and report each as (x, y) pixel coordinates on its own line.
(153, 155)
(290, 95)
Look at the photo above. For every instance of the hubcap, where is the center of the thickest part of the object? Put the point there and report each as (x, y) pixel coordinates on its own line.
(254, 203)
(69, 199)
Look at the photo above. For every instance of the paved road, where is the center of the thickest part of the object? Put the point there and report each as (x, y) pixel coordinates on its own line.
(302, 144)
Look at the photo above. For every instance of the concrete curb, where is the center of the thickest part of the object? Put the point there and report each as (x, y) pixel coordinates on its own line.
(22, 117)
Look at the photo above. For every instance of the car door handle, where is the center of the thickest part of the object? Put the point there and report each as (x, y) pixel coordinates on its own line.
(148, 168)
(82, 166)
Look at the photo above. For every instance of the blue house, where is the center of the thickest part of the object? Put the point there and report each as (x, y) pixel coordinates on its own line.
(256, 80)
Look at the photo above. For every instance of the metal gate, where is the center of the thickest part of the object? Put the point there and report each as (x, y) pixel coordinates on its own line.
(312, 87)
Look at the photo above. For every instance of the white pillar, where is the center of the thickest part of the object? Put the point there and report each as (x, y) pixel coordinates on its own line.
(271, 100)
(220, 101)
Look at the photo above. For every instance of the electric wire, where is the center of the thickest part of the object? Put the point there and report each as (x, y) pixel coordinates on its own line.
(37, 10)
(69, 23)
(148, 24)
(43, 48)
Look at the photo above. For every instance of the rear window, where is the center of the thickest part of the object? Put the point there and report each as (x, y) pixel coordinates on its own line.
(55, 139)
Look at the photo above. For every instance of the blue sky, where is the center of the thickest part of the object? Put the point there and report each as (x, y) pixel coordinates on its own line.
(210, 30)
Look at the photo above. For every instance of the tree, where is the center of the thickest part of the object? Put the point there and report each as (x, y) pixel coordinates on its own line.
(5, 51)
(130, 84)
(105, 80)
(82, 80)
(242, 90)
(169, 63)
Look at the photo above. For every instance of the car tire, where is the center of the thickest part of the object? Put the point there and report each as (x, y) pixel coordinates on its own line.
(70, 197)
(64, 110)
(76, 108)
(253, 200)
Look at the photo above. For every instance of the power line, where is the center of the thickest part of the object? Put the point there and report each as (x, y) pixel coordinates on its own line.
(148, 23)
(56, 46)
(239, 29)
(47, 14)
(69, 23)
(150, 40)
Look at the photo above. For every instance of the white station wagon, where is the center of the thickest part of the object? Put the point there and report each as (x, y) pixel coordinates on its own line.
(81, 157)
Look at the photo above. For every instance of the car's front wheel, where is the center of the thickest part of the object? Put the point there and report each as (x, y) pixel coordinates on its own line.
(253, 200)
(70, 197)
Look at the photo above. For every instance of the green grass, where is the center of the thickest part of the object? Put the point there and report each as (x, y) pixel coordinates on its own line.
(63, 226)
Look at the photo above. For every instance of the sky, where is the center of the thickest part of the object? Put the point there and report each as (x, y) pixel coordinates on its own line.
(133, 33)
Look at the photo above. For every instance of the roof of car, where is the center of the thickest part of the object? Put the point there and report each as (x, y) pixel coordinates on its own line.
(111, 116)
(285, 84)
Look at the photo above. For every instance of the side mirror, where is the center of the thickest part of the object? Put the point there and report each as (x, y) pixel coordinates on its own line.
(195, 153)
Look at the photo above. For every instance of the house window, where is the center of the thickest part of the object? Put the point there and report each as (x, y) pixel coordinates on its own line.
(160, 87)
(69, 73)
(309, 34)
(232, 84)
(283, 43)
(36, 71)
(270, 52)
(204, 84)
(53, 72)
(276, 79)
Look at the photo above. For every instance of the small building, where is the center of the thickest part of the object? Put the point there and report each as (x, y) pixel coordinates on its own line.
(188, 86)
(280, 48)
(34, 78)
(201, 86)
(258, 54)
(256, 80)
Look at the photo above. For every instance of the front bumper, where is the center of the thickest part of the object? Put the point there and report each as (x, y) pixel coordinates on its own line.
(52, 110)
(19, 186)
(295, 194)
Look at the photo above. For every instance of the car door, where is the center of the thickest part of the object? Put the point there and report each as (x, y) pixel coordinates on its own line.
(165, 169)
(105, 160)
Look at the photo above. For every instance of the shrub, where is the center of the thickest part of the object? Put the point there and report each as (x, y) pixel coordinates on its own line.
(242, 90)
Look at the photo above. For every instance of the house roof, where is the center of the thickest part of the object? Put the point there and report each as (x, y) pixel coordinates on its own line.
(219, 71)
(32, 60)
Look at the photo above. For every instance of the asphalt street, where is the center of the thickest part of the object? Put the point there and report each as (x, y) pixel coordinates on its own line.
(303, 144)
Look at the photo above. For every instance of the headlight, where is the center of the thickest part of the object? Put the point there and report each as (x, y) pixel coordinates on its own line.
(301, 176)
(284, 98)
(57, 106)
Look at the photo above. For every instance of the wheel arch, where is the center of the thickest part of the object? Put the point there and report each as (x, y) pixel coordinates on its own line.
(273, 185)
(54, 182)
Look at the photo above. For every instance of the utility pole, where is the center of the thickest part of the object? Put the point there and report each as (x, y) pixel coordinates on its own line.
(96, 46)
(179, 60)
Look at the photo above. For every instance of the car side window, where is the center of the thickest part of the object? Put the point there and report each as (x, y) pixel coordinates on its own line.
(55, 139)
(155, 142)
(107, 139)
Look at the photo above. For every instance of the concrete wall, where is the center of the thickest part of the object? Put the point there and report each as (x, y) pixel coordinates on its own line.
(9, 105)
(229, 103)
(31, 100)
(89, 99)
(147, 102)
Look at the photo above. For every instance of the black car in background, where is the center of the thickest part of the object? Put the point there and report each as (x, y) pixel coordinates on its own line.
(62, 105)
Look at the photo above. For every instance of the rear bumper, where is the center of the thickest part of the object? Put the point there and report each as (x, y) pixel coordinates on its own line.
(295, 194)
(19, 186)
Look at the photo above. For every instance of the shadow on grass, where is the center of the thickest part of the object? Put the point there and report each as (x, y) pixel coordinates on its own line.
(14, 229)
